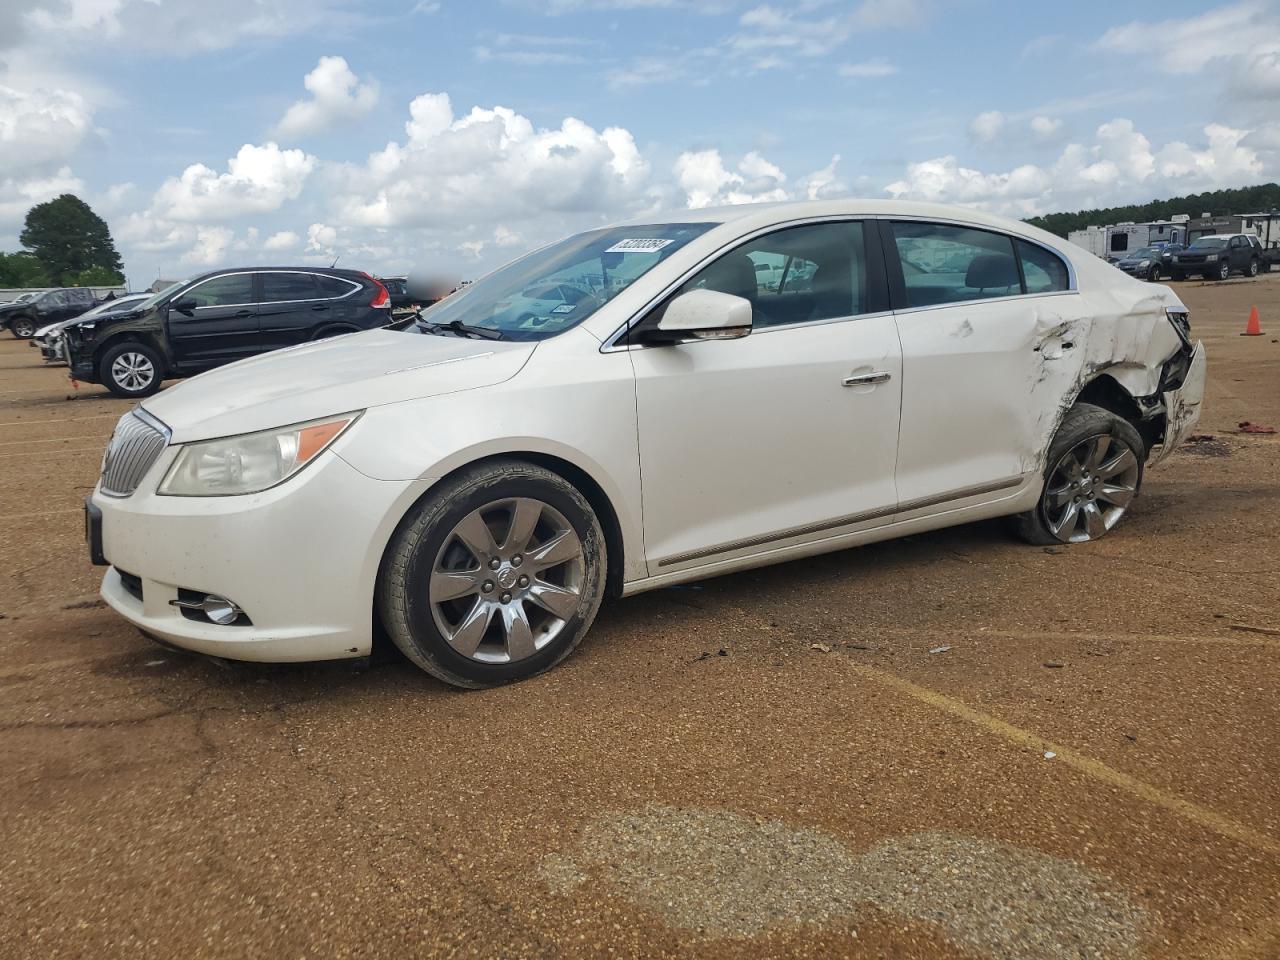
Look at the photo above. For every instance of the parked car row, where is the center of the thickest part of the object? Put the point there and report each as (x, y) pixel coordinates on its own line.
(30, 312)
(1214, 257)
(216, 318)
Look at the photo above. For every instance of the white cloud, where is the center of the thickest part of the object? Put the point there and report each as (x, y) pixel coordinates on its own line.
(210, 246)
(258, 179)
(775, 31)
(283, 240)
(1045, 128)
(491, 166)
(40, 128)
(17, 196)
(875, 67)
(1120, 166)
(822, 184)
(706, 181)
(985, 127)
(336, 96)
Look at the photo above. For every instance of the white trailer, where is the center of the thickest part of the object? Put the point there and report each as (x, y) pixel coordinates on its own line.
(1093, 239)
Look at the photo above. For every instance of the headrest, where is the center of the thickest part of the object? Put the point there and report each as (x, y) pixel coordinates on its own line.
(991, 270)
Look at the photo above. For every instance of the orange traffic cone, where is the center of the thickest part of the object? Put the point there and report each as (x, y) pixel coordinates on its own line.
(1254, 327)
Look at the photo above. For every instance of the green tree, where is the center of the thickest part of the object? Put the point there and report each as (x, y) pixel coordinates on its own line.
(67, 238)
(22, 270)
(94, 277)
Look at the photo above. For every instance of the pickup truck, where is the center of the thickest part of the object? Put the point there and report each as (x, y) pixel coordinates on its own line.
(25, 317)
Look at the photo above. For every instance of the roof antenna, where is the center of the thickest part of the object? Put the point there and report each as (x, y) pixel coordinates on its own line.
(335, 261)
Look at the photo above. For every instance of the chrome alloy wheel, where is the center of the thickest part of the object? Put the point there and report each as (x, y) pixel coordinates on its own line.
(506, 580)
(133, 371)
(1090, 488)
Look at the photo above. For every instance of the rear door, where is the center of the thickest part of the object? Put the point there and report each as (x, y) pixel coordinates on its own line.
(221, 327)
(985, 366)
(293, 308)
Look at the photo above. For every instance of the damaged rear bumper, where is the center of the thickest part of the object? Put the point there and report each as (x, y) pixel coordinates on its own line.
(1181, 401)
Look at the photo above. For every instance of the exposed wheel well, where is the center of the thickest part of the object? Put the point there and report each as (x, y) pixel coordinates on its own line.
(1103, 391)
(101, 349)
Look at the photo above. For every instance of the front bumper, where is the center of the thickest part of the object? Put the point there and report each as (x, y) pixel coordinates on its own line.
(1183, 265)
(1182, 405)
(300, 559)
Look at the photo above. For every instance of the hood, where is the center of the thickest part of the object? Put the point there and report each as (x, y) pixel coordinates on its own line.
(13, 306)
(351, 372)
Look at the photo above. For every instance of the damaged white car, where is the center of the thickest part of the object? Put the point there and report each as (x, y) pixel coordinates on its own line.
(477, 483)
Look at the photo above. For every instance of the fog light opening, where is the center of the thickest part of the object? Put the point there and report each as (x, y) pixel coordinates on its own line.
(216, 609)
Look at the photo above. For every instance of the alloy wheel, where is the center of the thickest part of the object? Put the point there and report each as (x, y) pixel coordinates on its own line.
(506, 580)
(1154, 274)
(1090, 488)
(24, 328)
(133, 371)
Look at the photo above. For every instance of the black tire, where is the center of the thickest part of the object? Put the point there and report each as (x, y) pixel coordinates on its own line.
(403, 601)
(24, 328)
(1082, 423)
(136, 355)
(1253, 267)
(1153, 275)
(1223, 272)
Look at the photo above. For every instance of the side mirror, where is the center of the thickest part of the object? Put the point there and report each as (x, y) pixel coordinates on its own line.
(703, 315)
(186, 305)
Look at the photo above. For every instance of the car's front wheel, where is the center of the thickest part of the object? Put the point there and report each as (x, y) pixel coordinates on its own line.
(495, 576)
(1253, 268)
(24, 328)
(1224, 270)
(1153, 275)
(131, 370)
(1093, 472)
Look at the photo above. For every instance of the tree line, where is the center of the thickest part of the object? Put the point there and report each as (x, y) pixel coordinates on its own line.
(1260, 199)
(66, 245)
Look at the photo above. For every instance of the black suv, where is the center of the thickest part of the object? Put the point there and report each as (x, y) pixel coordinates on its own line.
(221, 317)
(1218, 256)
(25, 317)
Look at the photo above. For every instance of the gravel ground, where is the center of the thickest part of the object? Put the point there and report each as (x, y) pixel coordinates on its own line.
(769, 764)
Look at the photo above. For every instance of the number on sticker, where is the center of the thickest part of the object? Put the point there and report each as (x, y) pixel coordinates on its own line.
(639, 245)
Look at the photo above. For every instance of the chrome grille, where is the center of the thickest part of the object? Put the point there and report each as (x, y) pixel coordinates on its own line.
(134, 447)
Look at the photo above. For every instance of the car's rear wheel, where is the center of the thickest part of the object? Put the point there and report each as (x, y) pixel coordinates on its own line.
(131, 370)
(1093, 472)
(24, 328)
(494, 577)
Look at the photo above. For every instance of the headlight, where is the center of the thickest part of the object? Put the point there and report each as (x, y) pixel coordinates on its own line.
(1212, 257)
(252, 461)
(1175, 258)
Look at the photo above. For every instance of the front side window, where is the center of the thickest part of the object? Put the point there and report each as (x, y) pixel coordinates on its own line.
(796, 275)
(559, 286)
(226, 291)
(947, 264)
(52, 300)
(1045, 272)
(283, 287)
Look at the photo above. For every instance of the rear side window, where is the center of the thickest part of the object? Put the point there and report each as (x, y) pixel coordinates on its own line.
(333, 286)
(946, 264)
(278, 287)
(1043, 271)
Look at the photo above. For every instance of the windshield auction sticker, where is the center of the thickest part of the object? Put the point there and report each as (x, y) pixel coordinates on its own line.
(638, 245)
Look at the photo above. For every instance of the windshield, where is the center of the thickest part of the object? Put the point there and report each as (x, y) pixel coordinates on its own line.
(553, 289)
(1209, 243)
(157, 298)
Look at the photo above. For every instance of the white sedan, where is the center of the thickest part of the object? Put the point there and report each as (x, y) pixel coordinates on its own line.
(478, 486)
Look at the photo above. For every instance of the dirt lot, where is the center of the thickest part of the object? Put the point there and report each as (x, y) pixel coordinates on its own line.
(1091, 768)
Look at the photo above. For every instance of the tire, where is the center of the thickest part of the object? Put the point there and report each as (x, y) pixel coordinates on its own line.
(1076, 503)
(1253, 267)
(124, 370)
(1153, 275)
(24, 328)
(1223, 272)
(477, 593)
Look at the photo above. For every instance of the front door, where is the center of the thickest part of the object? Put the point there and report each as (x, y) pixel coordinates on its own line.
(787, 435)
(221, 326)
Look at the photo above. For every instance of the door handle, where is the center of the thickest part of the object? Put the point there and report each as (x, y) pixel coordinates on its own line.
(867, 378)
(244, 313)
(321, 306)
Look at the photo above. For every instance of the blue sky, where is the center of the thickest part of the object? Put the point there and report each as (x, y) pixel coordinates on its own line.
(453, 135)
